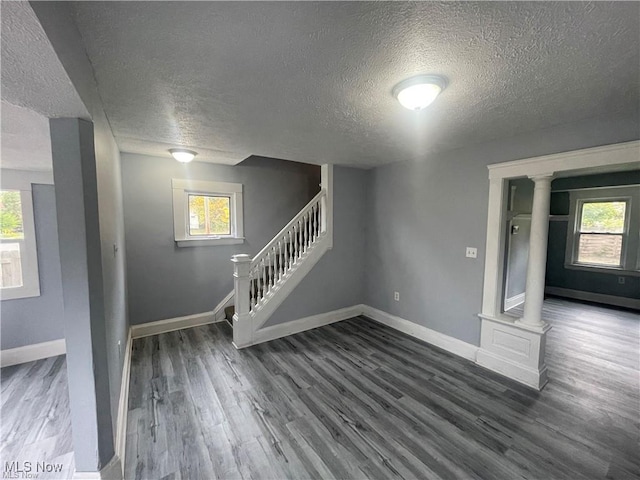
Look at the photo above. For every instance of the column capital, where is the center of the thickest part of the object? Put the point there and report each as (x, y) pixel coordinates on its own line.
(541, 177)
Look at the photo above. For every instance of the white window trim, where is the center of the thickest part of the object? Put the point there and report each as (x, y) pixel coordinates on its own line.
(181, 191)
(22, 181)
(629, 257)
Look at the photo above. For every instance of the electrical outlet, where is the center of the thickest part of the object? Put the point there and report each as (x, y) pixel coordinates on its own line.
(472, 252)
(621, 280)
(396, 296)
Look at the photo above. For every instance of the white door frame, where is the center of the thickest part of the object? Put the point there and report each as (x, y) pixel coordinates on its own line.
(605, 158)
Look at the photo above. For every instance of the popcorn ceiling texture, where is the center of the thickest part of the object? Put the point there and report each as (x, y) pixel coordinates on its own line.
(312, 81)
(32, 75)
(26, 140)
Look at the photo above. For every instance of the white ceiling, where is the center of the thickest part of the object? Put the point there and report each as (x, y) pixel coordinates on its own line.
(32, 76)
(35, 86)
(26, 141)
(312, 81)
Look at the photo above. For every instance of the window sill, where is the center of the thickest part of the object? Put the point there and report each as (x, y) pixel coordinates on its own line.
(18, 293)
(209, 242)
(610, 270)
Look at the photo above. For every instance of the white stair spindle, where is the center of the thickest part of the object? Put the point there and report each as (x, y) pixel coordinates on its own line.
(302, 248)
(315, 221)
(264, 279)
(273, 267)
(279, 260)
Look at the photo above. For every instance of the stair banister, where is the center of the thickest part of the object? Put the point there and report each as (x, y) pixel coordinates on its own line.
(264, 281)
(262, 253)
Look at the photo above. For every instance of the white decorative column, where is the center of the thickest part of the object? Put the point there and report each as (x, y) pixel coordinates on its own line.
(242, 327)
(537, 262)
(516, 347)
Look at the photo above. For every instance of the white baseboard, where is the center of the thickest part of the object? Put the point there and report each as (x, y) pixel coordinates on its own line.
(29, 353)
(514, 301)
(172, 324)
(530, 377)
(594, 297)
(218, 312)
(445, 342)
(111, 471)
(304, 324)
(123, 404)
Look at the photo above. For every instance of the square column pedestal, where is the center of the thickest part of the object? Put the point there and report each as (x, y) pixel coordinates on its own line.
(515, 350)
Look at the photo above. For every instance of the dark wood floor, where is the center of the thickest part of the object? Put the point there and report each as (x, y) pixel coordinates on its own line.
(35, 423)
(359, 400)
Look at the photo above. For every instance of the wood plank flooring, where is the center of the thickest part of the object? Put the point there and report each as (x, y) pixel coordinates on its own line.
(359, 400)
(35, 423)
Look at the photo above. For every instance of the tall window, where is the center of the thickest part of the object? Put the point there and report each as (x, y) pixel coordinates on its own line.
(603, 230)
(11, 238)
(18, 252)
(207, 213)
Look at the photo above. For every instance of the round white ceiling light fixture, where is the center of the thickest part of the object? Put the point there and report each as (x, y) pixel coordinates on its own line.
(419, 92)
(182, 154)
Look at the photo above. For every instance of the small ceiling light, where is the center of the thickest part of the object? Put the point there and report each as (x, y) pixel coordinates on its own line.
(418, 92)
(182, 154)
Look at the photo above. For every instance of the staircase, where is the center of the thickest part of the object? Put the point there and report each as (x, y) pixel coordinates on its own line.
(263, 282)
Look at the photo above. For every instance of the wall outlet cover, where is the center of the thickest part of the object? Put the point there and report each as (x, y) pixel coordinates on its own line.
(472, 252)
(396, 296)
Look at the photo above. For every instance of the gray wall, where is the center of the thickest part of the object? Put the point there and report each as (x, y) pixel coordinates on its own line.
(518, 255)
(74, 170)
(517, 252)
(167, 281)
(424, 213)
(57, 20)
(337, 280)
(27, 321)
(594, 282)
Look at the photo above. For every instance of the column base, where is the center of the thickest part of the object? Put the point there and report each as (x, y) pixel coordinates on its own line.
(514, 349)
(523, 322)
(531, 377)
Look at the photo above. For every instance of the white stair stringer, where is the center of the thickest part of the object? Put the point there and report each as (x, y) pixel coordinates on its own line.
(280, 292)
(263, 282)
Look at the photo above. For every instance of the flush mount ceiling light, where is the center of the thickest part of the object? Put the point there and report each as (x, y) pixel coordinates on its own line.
(418, 92)
(182, 154)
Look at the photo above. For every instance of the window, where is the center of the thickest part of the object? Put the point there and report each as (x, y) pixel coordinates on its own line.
(600, 233)
(604, 229)
(207, 213)
(18, 255)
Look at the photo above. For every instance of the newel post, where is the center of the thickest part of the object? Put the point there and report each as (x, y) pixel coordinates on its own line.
(242, 328)
(326, 203)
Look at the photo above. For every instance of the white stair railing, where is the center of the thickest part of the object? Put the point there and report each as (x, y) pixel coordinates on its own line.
(261, 283)
(280, 256)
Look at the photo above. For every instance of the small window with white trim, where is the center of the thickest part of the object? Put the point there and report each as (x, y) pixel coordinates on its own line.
(603, 231)
(18, 253)
(207, 213)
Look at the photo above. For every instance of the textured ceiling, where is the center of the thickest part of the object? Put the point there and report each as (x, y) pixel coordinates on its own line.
(312, 81)
(26, 141)
(32, 76)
